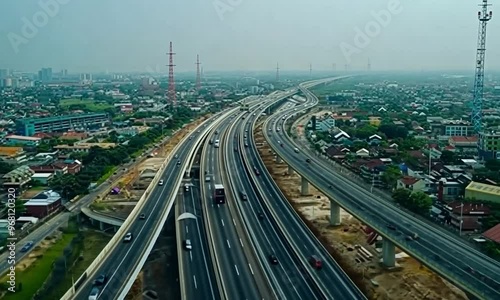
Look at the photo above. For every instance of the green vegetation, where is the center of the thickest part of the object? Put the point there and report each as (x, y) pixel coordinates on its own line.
(417, 202)
(84, 104)
(391, 175)
(101, 163)
(94, 243)
(30, 280)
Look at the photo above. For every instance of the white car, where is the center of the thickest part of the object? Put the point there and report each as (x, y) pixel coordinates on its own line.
(128, 237)
(94, 293)
(160, 182)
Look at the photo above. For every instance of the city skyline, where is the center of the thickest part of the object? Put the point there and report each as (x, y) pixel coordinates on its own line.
(228, 37)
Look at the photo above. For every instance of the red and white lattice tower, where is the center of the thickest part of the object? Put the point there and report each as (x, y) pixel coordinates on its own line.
(171, 82)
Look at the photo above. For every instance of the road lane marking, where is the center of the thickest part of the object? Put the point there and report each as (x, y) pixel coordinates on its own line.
(187, 230)
(195, 285)
(222, 221)
(234, 222)
(229, 245)
(241, 242)
(251, 270)
(191, 255)
(237, 270)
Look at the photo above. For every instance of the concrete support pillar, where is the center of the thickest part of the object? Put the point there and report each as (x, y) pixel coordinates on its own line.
(91, 221)
(334, 213)
(290, 170)
(388, 253)
(278, 159)
(101, 226)
(304, 190)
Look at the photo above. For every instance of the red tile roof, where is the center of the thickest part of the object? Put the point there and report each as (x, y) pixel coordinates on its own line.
(409, 180)
(464, 138)
(493, 233)
(470, 208)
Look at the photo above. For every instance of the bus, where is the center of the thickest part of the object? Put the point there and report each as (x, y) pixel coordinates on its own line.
(219, 195)
(216, 143)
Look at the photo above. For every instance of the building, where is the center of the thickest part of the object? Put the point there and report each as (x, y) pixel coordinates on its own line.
(43, 204)
(324, 124)
(84, 147)
(31, 126)
(451, 127)
(18, 178)
(489, 145)
(481, 191)
(411, 183)
(12, 155)
(73, 136)
(42, 178)
(493, 234)
(45, 75)
(469, 214)
(464, 144)
(24, 140)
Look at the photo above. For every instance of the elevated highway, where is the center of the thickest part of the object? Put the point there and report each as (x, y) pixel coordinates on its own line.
(446, 254)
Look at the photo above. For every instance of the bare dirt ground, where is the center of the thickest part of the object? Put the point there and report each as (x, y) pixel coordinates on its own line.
(155, 272)
(410, 280)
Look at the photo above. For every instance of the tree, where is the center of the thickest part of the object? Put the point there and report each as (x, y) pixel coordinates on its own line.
(391, 175)
(401, 196)
(417, 202)
(492, 165)
(5, 167)
(448, 157)
(366, 131)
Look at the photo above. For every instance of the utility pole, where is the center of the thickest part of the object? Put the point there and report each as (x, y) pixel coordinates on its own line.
(477, 105)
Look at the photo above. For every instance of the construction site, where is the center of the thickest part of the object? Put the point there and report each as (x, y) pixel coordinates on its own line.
(351, 244)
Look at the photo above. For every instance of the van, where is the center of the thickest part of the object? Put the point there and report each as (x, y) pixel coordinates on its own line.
(315, 262)
(296, 150)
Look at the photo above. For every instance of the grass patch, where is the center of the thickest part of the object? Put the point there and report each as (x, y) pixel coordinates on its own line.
(89, 105)
(94, 243)
(35, 275)
(109, 172)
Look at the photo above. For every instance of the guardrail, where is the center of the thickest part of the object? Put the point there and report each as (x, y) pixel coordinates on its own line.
(247, 228)
(132, 217)
(171, 201)
(402, 244)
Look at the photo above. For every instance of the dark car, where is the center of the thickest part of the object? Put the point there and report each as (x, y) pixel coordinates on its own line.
(142, 216)
(391, 227)
(308, 160)
(101, 280)
(178, 162)
(273, 259)
(243, 196)
(27, 246)
(260, 215)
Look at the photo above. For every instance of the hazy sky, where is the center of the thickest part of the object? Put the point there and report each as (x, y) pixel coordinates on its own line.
(133, 35)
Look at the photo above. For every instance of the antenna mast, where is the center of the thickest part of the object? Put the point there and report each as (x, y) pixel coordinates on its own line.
(171, 82)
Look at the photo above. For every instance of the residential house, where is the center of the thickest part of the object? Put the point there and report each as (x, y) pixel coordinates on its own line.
(19, 139)
(411, 183)
(340, 137)
(469, 214)
(335, 152)
(493, 234)
(481, 191)
(362, 153)
(42, 178)
(374, 139)
(18, 178)
(325, 124)
(84, 147)
(372, 170)
(49, 169)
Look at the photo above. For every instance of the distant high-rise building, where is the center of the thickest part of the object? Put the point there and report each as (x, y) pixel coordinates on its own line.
(4, 73)
(45, 74)
(64, 72)
(86, 78)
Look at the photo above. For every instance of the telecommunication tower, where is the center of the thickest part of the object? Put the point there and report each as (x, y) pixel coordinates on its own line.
(277, 72)
(310, 70)
(477, 103)
(171, 82)
(369, 66)
(198, 75)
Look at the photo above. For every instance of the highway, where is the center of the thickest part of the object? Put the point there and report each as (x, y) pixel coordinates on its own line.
(125, 256)
(298, 234)
(240, 275)
(62, 218)
(199, 277)
(288, 277)
(444, 253)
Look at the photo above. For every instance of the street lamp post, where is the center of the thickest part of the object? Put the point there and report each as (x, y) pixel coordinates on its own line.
(461, 217)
